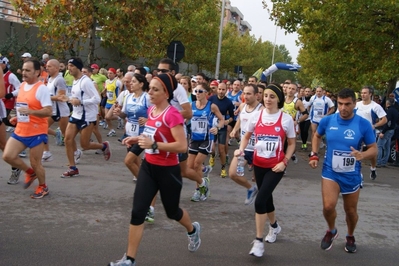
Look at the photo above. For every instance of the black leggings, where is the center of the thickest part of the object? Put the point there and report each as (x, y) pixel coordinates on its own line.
(267, 181)
(304, 128)
(151, 178)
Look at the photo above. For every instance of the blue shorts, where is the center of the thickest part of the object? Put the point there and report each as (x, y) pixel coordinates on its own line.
(248, 156)
(81, 124)
(347, 186)
(33, 141)
(108, 106)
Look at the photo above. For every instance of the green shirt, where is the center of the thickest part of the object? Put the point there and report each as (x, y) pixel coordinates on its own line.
(99, 79)
(68, 78)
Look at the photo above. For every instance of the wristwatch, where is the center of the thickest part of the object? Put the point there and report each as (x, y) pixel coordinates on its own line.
(313, 154)
(154, 146)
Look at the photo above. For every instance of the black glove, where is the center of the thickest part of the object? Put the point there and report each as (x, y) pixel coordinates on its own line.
(9, 95)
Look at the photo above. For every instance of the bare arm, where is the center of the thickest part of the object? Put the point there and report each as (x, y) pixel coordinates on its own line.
(186, 112)
(178, 146)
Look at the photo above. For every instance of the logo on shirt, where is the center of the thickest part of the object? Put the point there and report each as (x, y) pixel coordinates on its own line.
(277, 129)
(349, 134)
(158, 123)
(333, 128)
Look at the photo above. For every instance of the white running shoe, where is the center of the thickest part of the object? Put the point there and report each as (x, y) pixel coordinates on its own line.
(47, 156)
(111, 133)
(257, 248)
(78, 154)
(273, 232)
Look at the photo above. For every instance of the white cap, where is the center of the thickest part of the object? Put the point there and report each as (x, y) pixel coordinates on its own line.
(28, 55)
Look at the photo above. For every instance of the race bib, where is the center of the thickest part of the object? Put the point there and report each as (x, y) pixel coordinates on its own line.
(150, 132)
(343, 161)
(267, 146)
(68, 91)
(110, 95)
(199, 125)
(22, 117)
(132, 129)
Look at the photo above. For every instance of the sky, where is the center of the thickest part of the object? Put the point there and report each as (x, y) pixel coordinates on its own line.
(263, 27)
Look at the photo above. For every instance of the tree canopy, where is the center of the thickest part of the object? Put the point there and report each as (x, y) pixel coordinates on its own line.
(343, 43)
(144, 28)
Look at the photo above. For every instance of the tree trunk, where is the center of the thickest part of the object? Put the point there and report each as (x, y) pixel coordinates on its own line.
(92, 44)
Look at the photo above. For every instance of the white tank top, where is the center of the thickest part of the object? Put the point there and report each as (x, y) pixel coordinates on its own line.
(244, 119)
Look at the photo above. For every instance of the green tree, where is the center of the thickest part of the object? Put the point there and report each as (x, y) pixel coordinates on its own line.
(344, 43)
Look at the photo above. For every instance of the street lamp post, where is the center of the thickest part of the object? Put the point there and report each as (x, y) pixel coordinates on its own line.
(220, 41)
(274, 50)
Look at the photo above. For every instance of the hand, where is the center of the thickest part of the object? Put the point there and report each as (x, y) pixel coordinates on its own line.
(381, 135)
(129, 141)
(357, 154)
(13, 121)
(142, 121)
(74, 101)
(232, 134)
(278, 168)
(62, 98)
(313, 163)
(24, 110)
(213, 130)
(238, 153)
(145, 142)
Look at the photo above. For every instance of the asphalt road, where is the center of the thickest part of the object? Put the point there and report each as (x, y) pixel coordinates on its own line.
(84, 220)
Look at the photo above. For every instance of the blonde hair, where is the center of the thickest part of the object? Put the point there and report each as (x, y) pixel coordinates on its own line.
(103, 71)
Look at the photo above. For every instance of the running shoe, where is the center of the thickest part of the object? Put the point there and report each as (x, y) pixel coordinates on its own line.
(58, 137)
(120, 123)
(107, 151)
(196, 196)
(257, 248)
(77, 155)
(47, 156)
(273, 232)
(22, 154)
(206, 171)
(223, 173)
(194, 240)
(101, 123)
(122, 262)
(14, 177)
(350, 246)
(70, 173)
(327, 241)
(373, 174)
(250, 167)
(227, 159)
(29, 179)
(251, 195)
(122, 137)
(229, 143)
(205, 191)
(111, 133)
(212, 161)
(150, 217)
(105, 125)
(40, 192)
(294, 158)
(10, 129)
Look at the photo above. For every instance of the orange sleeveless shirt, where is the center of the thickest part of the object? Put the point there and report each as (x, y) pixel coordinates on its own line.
(30, 125)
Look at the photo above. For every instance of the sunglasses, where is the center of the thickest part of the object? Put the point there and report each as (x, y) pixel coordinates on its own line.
(163, 70)
(199, 91)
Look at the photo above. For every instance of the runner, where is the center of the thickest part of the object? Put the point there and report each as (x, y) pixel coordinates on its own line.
(57, 88)
(163, 139)
(33, 106)
(341, 172)
(202, 135)
(85, 100)
(246, 110)
(271, 127)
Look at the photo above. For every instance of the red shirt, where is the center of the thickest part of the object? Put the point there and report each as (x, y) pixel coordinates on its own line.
(158, 128)
(269, 143)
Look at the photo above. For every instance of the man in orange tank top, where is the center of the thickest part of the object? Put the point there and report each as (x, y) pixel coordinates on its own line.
(33, 106)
